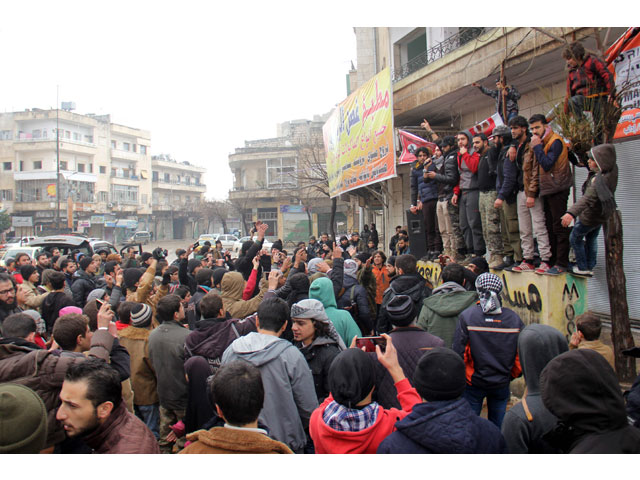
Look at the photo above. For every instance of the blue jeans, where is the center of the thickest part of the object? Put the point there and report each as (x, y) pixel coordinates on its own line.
(150, 415)
(497, 399)
(584, 240)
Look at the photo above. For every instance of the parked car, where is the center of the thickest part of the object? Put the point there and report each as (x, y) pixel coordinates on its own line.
(139, 237)
(65, 243)
(13, 251)
(16, 242)
(237, 245)
(208, 237)
(99, 244)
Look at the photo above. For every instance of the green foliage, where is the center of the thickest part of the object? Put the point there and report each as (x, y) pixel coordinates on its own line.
(5, 221)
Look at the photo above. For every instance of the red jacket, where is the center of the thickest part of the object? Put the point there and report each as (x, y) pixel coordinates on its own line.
(328, 440)
(472, 162)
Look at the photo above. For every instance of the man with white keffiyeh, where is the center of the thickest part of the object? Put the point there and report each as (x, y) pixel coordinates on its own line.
(487, 339)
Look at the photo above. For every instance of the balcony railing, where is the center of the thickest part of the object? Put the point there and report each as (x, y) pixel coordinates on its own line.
(464, 35)
(53, 139)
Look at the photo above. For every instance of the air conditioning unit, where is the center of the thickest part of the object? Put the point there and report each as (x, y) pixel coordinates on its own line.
(110, 205)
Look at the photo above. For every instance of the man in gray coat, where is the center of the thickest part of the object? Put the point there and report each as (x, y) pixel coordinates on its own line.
(289, 392)
(166, 350)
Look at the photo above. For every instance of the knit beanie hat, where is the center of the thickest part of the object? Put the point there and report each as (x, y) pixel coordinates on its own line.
(351, 377)
(313, 265)
(26, 271)
(131, 276)
(277, 245)
(440, 375)
(141, 315)
(70, 309)
(480, 263)
(218, 273)
(401, 310)
(96, 294)
(41, 325)
(192, 264)
(203, 277)
(145, 256)
(85, 262)
(23, 420)
(363, 257)
(350, 268)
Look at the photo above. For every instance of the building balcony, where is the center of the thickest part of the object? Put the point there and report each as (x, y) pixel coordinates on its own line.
(124, 155)
(176, 207)
(171, 186)
(49, 144)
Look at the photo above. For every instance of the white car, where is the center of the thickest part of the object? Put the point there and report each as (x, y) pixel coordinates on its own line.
(226, 239)
(237, 246)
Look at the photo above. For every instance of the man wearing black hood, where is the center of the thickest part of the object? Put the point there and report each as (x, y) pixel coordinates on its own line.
(582, 390)
(467, 195)
(407, 282)
(528, 420)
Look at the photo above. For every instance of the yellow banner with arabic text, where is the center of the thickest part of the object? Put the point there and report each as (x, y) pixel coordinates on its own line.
(358, 137)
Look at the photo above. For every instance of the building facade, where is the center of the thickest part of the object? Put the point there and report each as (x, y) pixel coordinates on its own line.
(276, 182)
(105, 182)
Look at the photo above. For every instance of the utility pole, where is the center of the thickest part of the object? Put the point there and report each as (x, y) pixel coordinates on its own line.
(57, 158)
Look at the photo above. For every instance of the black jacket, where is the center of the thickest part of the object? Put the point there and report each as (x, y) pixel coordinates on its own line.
(51, 306)
(319, 355)
(412, 285)
(581, 389)
(6, 310)
(487, 169)
(83, 283)
(185, 278)
(355, 292)
(447, 176)
(193, 314)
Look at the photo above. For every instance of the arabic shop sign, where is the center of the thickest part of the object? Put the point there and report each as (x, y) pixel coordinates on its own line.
(358, 137)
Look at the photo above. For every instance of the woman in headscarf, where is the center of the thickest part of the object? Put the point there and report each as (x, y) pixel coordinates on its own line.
(317, 340)
(348, 421)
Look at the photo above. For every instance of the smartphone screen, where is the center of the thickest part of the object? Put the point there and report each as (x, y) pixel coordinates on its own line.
(369, 343)
(99, 303)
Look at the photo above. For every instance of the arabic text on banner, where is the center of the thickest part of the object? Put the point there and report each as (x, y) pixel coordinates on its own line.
(358, 137)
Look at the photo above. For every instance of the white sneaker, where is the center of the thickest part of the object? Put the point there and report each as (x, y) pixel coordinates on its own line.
(583, 273)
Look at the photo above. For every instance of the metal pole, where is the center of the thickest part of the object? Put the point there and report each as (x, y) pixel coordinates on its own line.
(57, 160)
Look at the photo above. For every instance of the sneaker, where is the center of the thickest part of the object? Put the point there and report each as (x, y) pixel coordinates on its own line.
(543, 268)
(512, 266)
(524, 267)
(581, 273)
(556, 270)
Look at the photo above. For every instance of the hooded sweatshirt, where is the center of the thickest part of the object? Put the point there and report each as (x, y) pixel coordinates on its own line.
(446, 426)
(581, 389)
(322, 289)
(289, 393)
(328, 440)
(232, 286)
(588, 209)
(412, 285)
(440, 312)
(523, 429)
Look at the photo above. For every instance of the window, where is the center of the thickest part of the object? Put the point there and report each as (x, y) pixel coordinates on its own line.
(7, 165)
(103, 196)
(67, 134)
(143, 149)
(124, 194)
(37, 165)
(125, 146)
(63, 165)
(167, 177)
(113, 172)
(6, 195)
(81, 167)
(103, 169)
(187, 180)
(113, 144)
(77, 136)
(154, 176)
(134, 147)
(37, 133)
(5, 135)
(21, 166)
(88, 138)
(280, 172)
(270, 217)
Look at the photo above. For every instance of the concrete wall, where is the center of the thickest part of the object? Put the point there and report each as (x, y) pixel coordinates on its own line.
(547, 299)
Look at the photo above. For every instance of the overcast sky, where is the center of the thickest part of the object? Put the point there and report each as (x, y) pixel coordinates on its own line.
(200, 77)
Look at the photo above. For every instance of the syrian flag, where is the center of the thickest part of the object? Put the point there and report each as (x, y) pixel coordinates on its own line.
(487, 125)
(410, 143)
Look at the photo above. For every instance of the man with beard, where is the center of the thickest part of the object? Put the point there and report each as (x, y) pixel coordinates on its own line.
(8, 304)
(92, 409)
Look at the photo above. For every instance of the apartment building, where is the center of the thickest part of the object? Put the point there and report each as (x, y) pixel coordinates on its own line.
(105, 182)
(178, 193)
(274, 182)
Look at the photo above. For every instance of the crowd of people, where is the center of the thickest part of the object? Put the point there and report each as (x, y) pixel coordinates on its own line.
(334, 347)
(507, 194)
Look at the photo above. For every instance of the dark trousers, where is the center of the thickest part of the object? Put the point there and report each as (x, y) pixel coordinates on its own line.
(555, 206)
(471, 222)
(431, 230)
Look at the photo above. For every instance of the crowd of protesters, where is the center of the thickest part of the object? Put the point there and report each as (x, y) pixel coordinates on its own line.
(334, 347)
